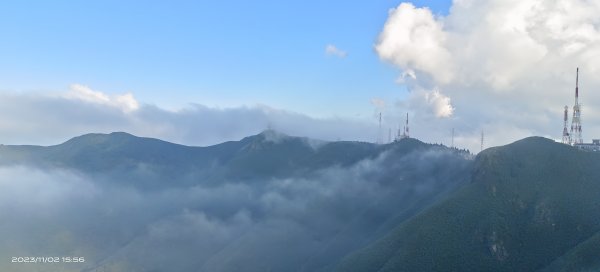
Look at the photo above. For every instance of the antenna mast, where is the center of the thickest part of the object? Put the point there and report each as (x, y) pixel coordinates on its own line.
(576, 135)
(452, 144)
(482, 140)
(406, 133)
(379, 137)
(566, 139)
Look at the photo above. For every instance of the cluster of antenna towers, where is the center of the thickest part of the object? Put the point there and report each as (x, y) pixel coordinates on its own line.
(574, 137)
(404, 133)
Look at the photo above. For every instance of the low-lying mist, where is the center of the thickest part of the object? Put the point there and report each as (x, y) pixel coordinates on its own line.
(279, 224)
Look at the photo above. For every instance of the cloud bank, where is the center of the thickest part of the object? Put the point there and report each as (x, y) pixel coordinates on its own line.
(34, 118)
(298, 223)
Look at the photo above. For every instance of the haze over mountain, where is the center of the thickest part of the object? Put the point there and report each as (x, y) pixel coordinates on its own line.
(272, 202)
(266, 202)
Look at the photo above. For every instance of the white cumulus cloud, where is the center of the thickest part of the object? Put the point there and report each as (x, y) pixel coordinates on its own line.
(439, 103)
(506, 65)
(430, 104)
(412, 37)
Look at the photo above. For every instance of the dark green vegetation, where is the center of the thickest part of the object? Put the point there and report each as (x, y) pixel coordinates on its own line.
(533, 205)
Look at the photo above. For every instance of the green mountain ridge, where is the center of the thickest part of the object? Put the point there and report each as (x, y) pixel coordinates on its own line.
(268, 154)
(528, 204)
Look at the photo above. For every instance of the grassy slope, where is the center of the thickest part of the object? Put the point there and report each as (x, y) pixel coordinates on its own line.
(528, 203)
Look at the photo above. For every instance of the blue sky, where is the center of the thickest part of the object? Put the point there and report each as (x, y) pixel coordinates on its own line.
(215, 53)
(221, 67)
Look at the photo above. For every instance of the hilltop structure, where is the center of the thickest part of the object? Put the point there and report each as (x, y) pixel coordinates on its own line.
(404, 133)
(575, 137)
(566, 137)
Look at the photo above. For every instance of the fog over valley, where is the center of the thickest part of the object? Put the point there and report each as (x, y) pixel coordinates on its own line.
(125, 222)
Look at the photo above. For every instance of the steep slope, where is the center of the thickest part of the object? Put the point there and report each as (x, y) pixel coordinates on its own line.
(528, 203)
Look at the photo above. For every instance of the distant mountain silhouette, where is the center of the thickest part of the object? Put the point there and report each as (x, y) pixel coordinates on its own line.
(118, 154)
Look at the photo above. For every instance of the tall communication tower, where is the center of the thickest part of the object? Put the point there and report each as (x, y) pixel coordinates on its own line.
(452, 144)
(482, 140)
(576, 136)
(566, 139)
(379, 136)
(406, 131)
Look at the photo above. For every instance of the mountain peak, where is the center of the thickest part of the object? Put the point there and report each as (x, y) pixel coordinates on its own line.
(271, 135)
(529, 146)
(120, 134)
(96, 138)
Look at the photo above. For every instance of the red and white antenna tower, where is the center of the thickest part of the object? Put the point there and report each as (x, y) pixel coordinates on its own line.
(576, 136)
(566, 139)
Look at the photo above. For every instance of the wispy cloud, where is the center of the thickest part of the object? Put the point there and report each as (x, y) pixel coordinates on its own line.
(125, 102)
(332, 50)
